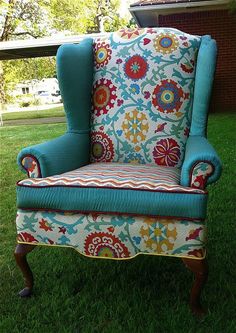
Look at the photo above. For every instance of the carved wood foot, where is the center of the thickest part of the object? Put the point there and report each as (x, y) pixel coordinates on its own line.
(20, 256)
(200, 270)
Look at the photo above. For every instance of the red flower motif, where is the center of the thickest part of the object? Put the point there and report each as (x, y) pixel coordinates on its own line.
(45, 225)
(62, 229)
(101, 244)
(187, 67)
(199, 182)
(168, 96)
(111, 229)
(151, 31)
(147, 94)
(26, 237)
(102, 53)
(146, 41)
(120, 102)
(136, 67)
(166, 152)
(94, 216)
(102, 147)
(186, 131)
(194, 234)
(160, 127)
(129, 33)
(104, 96)
(196, 253)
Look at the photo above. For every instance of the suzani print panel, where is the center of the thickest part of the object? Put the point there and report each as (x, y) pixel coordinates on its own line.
(142, 96)
(31, 165)
(112, 236)
(200, 174)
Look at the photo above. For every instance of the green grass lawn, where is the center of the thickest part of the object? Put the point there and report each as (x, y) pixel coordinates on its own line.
(74, 294)
(54, 112)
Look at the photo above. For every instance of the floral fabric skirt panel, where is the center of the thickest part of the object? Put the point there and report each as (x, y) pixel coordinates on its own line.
(112, 236)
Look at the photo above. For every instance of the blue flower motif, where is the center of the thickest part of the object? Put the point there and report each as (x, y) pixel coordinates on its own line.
(137, 240)
(133, 157)
(135, 89)
(64, 240)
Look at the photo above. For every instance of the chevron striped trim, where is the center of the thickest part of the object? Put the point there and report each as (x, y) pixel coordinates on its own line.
(116, 175)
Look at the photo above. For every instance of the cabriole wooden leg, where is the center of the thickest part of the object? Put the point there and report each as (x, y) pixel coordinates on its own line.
(20, 256)
(200, 270)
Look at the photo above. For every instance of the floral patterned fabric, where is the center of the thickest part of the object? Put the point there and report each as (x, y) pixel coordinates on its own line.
(142, 96)
(200, 173)
(30, 164)
(115, 236)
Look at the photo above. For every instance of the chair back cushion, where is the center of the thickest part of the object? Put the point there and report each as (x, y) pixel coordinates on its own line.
(142, 96)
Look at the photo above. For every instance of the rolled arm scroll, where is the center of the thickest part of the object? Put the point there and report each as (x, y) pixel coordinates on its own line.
(202, 165)
(68, 152)
(31, 165)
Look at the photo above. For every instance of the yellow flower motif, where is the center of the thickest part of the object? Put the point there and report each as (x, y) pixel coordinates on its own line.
(158, 235)
(166, 43)
(135, 126)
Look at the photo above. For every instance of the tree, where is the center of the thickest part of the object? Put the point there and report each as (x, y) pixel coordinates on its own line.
(23, 18)
(16, 71)
(86, 16)
(20, 19)
(233, 6)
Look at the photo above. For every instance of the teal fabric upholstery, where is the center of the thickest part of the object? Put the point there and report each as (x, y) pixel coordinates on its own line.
(206, 64)
(75, 75)
(62, 154)
(199, 149)
(70, 151)
(64, 198)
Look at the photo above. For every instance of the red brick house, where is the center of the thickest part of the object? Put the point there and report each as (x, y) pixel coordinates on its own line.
(200, 17)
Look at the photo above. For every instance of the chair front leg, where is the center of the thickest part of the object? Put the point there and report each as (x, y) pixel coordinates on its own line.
(20, 256)
(200, 270)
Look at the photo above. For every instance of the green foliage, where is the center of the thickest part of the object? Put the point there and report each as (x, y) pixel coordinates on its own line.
(19, 19)
(24, 19)
(26, 69)
(86, 16)
(232, 6)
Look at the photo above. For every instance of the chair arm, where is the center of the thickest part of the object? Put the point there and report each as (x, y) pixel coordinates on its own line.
(201, 165)
(65, 153)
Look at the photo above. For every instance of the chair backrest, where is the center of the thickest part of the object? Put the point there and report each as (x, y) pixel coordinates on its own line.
(143, 95)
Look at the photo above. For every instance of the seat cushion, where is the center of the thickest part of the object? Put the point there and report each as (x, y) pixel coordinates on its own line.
(114, 188)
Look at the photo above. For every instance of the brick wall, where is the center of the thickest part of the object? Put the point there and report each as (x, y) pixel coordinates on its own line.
(221, 25)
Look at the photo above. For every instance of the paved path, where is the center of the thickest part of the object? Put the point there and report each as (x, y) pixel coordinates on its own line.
(36, 121)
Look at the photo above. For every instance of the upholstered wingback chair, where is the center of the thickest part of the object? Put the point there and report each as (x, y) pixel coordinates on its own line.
(129, 175)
